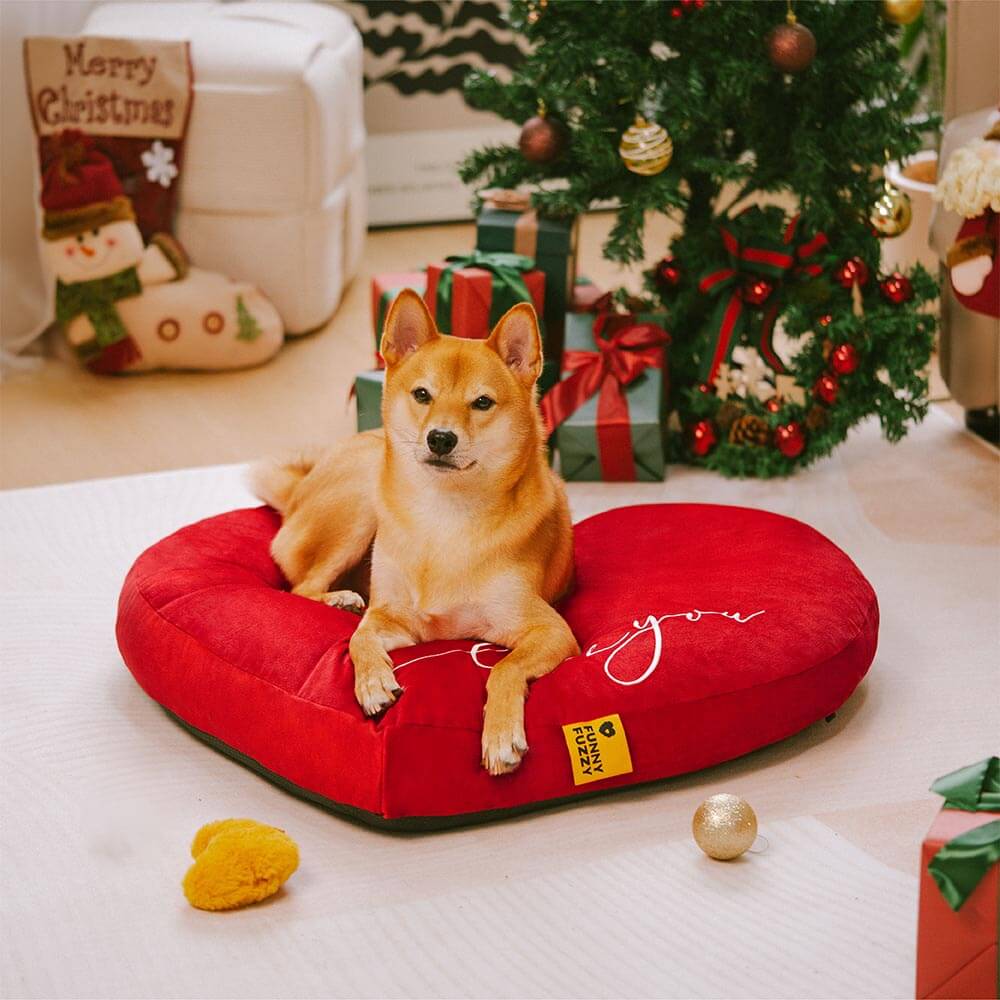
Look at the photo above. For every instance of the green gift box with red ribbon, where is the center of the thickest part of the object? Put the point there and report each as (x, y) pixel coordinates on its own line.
(608, 407)
(957, 951)
(368, 389)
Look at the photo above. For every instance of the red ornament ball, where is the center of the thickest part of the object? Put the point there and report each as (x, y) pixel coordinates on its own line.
(668, 274)
(790, 439)
(852, 270)
(676, 11)
(756, 291)
(791, 47)
(773, 405)
(825, 320)
(896, 289)
(703, 438)
(844, 359)
(542, 139)
(826, 388)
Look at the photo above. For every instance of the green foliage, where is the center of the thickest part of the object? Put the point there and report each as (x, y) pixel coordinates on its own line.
(743, 132)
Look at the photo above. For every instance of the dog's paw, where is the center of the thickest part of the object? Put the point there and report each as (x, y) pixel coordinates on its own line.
(376, 688)
(346, 600)
(504, 745)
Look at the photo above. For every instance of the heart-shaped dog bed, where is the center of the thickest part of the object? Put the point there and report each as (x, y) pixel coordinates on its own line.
(706, 631)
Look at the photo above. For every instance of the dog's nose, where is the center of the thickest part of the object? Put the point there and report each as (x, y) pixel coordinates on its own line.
(441, 442)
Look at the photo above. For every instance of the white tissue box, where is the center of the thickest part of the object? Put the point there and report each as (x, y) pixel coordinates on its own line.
(273, 181)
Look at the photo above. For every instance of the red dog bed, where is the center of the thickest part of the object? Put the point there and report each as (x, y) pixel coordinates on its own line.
(706, 632)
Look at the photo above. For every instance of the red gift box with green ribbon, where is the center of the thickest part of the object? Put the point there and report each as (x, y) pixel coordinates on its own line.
(609, 405)
(750, 288)
(467, 294)
(957, 952)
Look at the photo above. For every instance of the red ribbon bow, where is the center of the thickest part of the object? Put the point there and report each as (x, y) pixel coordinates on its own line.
(772, 261)
(621, 357)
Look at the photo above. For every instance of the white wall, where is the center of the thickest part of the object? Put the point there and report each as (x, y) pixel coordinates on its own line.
(24, 295)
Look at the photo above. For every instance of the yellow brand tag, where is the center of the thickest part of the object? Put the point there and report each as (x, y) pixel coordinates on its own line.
(597, 749)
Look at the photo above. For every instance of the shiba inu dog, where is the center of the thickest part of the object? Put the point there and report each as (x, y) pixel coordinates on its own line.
(467, 527)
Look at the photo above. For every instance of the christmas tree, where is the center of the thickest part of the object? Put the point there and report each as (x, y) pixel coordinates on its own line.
(762, 128)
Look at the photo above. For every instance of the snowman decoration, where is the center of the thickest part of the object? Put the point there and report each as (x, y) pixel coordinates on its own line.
(126, 306)
(970, 186)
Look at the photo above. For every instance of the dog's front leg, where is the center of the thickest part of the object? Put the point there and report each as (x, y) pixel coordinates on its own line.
(379, 633)
(541, 642)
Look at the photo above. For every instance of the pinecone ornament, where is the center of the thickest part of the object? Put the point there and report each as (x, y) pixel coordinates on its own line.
(817, 417)
(749, 430)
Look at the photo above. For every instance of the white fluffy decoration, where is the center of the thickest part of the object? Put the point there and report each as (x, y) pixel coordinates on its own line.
(971, 180)
(272, 182)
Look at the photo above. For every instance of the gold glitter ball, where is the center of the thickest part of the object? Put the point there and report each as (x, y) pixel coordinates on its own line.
(646, 147)
(892, 213)
(902, 11)
(724, 826)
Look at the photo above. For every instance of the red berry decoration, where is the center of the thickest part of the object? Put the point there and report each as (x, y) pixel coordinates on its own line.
(542, 139)
(704, 387)
(756, 291)
(825, 320)
(896, 289)
(773, 405)
(791, 46)
(826, 388)
(844, 359)
(703, 438)
(668, 274)
(851, 271)
(790, 439)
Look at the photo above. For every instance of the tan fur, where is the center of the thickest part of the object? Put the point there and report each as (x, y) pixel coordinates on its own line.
(475, 550)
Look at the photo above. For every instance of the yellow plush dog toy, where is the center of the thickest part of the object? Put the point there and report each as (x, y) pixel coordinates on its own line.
(237, 862)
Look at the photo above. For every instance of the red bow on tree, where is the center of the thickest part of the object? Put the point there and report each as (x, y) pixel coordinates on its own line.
(768, 262)
(625, 349)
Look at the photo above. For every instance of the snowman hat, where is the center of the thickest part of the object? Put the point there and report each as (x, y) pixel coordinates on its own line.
(80, 189)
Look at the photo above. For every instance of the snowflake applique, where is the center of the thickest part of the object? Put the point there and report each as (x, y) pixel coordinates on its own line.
(159, 163)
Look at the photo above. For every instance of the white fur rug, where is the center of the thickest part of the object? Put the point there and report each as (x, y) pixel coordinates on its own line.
(101, 793)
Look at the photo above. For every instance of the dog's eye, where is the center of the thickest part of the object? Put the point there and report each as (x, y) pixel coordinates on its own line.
(421, 395)
(483, 403)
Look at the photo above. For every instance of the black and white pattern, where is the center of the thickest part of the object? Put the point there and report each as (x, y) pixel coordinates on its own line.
(428, 46)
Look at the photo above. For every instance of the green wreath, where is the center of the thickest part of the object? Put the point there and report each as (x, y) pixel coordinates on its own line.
(785, 337)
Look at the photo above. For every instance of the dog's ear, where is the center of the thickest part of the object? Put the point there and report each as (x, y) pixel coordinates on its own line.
(517, 340)
(408, 326)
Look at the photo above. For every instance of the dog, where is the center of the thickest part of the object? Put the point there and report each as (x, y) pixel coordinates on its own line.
(451, 512)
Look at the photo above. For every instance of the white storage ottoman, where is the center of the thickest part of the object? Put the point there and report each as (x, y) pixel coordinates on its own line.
(273, 181)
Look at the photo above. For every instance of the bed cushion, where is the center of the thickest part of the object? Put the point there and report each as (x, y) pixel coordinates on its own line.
(707, 631)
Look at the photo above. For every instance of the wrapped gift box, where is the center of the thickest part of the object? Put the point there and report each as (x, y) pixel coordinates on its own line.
(617, 433)
(475, 304)
(385, 287)
(368, 388)
(552, 243)
(273, 182)
(957, 952)
(588, 297)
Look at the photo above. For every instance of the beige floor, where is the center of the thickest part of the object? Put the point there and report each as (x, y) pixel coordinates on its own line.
(609, 898)
(59, 423)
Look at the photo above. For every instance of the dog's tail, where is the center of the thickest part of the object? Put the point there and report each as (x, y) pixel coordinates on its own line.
(275, 480)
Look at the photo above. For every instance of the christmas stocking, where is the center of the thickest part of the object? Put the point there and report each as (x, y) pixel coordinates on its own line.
(129, 303)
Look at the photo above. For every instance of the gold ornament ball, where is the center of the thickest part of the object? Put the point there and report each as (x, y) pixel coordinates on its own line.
(646, 148)
(892, 212)
(724, 826)
(902, 11)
